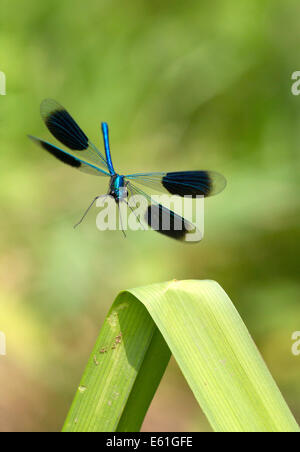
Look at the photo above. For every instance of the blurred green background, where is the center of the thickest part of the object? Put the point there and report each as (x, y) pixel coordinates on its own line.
(183, 85)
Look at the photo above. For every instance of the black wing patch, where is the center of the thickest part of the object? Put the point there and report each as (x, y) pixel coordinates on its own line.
(67, 158)
(166, 222)
(194, 183)
(62, 126)
(57, 153)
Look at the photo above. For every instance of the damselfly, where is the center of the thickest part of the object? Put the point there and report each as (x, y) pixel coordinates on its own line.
(85, 156)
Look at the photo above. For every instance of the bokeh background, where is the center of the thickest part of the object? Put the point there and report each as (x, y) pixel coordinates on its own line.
(183, 85)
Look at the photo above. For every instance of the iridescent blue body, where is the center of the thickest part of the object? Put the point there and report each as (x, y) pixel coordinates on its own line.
(105, 134)
(117, 184)
(117, 188)
(83, 155)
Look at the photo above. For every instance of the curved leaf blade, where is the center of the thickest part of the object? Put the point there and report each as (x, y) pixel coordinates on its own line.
(197, 321)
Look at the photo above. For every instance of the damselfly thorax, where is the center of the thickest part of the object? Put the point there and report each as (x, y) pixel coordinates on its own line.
(118, 188)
